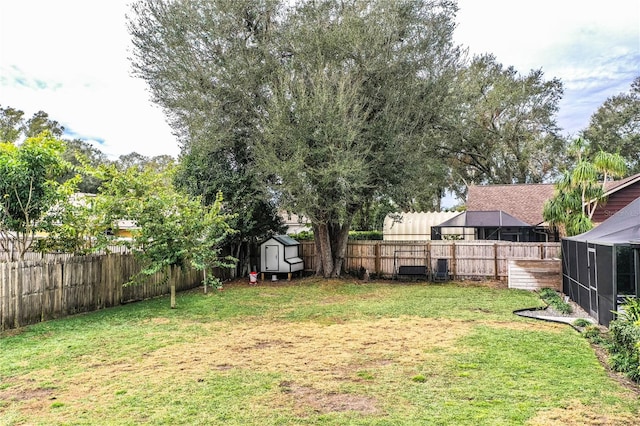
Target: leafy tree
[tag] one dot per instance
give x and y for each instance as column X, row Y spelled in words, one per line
column 28, row 189
column 174, row 229
column 217, row 123
column 371, row 215
column 75, row 225
column 580, row 191
column 41, row 122
column 338, row 102
column 78, row 153
column 81, row 155
column 11, row 122
column 160, row 163
column 504, row 130
column 615, row 126
column 13, row 125
column 205, row 171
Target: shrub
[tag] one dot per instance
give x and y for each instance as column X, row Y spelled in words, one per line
column 625, row 348
column 353, row 235
column 581, row 322
column 551, row 297
column 302, row 236
column 365, row 235
column 630, row 311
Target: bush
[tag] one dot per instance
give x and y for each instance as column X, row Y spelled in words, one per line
column 625, row 348
column 302, row 236
column 630, row 310
column 353, row 235
column 365, row 235
column 552, row 298
column 581, row 322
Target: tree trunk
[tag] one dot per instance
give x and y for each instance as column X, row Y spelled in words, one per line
column 316, row 241
column 340, row 240
column 325, row 256
column 172, row 286
column 331, row 247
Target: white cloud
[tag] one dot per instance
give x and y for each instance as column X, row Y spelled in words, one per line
column 69, row 59
column 592, row 46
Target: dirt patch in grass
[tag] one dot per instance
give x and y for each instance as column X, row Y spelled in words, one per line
column 305, row 397
column 317, row 360
column 317, row 368
column 577, row 414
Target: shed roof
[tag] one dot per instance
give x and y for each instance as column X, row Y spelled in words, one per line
column 484, row 219
column 524, row 202
column 621, row 228
column 285, row 240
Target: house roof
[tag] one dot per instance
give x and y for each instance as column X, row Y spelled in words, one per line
column 524, row 202
column 616, row 185
column 484, row 219
column 623, row 227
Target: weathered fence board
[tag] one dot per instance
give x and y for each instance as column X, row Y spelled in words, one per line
column 466, row 259
column 34, row 291
column 535, row 274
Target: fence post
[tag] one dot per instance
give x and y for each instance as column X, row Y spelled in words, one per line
column 378, row 260
column 495, row 261
column 454, row 263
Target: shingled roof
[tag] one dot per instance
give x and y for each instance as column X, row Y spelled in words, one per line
column 616, row 185
column 524, row 202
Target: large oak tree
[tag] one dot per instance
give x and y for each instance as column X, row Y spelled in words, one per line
column 504, row 130
column 335, row 102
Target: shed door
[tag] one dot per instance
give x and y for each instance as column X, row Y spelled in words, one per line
column 271, row 258
column 593, row 283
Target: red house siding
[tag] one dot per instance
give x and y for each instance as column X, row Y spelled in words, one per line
column 616, row 201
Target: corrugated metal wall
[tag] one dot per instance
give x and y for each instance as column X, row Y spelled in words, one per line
column 415, row 226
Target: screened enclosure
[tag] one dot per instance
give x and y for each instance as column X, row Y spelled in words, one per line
column 600, row 267
column 488, row 225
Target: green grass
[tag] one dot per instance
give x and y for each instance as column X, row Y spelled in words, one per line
column 313, row 352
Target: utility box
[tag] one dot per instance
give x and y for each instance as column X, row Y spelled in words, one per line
column 280, row 254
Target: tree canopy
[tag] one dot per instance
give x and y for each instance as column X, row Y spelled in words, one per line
column 336, row 101
column 504, row 129
column 615, row 126
column 28, row 188
column 172, row 227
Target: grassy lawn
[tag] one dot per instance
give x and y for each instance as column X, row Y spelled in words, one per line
column 312, row 352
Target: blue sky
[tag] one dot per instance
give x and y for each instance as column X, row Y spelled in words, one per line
column 69, row 59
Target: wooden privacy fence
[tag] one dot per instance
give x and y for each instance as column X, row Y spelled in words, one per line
column 466, row 259
column 34, row 291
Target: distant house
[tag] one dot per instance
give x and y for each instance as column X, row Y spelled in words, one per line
column 522, row 202
column 295, row 223
column 619, row 193
column 526, row 201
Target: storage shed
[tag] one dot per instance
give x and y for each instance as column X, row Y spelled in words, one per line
column 600, row 267
column 280, row 254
